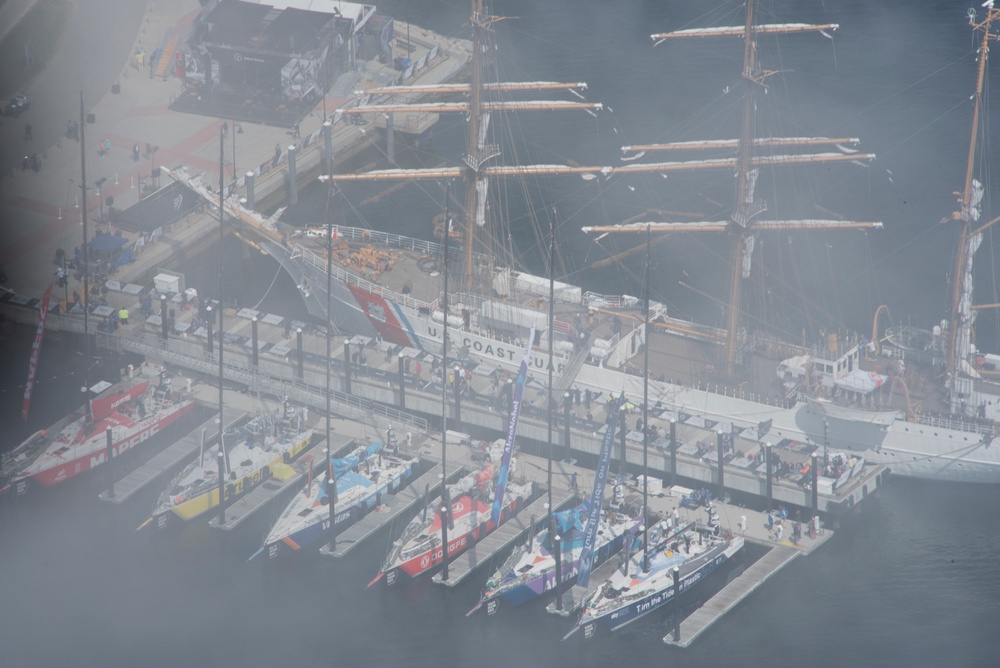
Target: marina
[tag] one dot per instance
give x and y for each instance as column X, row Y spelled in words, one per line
column 165, row 460
column 392, row 507
column 787, row 460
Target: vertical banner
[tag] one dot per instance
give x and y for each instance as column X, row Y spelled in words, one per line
column 508, row 446
column 36, row 350
column 597, row 497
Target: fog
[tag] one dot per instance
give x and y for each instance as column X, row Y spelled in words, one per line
column 913, row 578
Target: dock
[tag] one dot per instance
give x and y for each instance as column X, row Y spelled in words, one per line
column 392, row 507
column 245, row 506
column 166, row 459
column 573, row 597
column 730, row 595
column 502, row 537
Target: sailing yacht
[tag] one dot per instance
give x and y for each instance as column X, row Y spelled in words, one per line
column 362, row 477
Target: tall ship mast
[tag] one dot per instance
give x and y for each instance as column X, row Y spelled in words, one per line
column 961, row 374
column 746, row 156
column 390, row 285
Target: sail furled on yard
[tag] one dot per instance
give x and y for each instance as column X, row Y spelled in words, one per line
column 597, row 497
column 508, row 446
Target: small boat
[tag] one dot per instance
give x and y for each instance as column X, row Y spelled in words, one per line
column 362, row 477
column 246, row 464
column 419, row 549
column 630, row 593
column 530, row 572
column 134, row 410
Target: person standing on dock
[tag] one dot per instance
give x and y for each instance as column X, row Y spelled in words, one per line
column 770, row 521
column 777, row 532
column 743, row 524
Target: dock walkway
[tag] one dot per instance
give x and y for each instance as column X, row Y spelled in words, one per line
column 164, row 460
column 392, row 506
column 257, row 498
column 573, row 597
column 730, row 595
column 501, row 537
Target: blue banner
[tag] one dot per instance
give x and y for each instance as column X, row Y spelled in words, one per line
column 597, row 497
column 508, row 446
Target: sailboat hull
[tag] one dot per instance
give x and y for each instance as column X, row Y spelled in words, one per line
column 93, row 452
column 615, row 619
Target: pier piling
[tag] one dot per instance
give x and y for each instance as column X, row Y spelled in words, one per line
column 111, row 454
column 256, row 341
column 293, row 186
column 163, row 316
column 566, row 426
column 249, row 197
column 720, row 446
column 300, row 368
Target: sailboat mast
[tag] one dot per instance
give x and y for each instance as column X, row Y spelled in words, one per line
column 444, row 356
column 744, row 188
column 222, row 337
column 472, row 159
column 961, row 316
column 645, row 402
column 86, row 264
column 552, row 301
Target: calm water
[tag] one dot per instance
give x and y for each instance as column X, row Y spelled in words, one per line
column 912, row 581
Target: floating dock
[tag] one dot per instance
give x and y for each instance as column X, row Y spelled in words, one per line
column 167, row 458
column 573, row 597
column 463, row 565
column 730, row 595
column 245, row 506
column 392, row 507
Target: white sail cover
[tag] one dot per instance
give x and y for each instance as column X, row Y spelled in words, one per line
column 864, row 382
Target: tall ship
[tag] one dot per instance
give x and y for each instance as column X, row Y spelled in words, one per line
column 135, row 410
column 836, row 394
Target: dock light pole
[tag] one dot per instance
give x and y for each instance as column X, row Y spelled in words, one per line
column 720, row 446
column 444, row 542
column 677, row 604
column 557, row 553
column 567, row 425
column 111, row 454
column 767, row 466
column 673, row 451
column 210, row 343
column 164, row 326
column 301, row 355
column 222, row 479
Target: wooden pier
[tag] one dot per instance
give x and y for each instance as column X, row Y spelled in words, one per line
column 730, row 595
column 392, row 507
column 167, row 458
column 516, row 527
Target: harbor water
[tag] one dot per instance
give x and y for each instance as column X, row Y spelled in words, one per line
column 912, row 579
